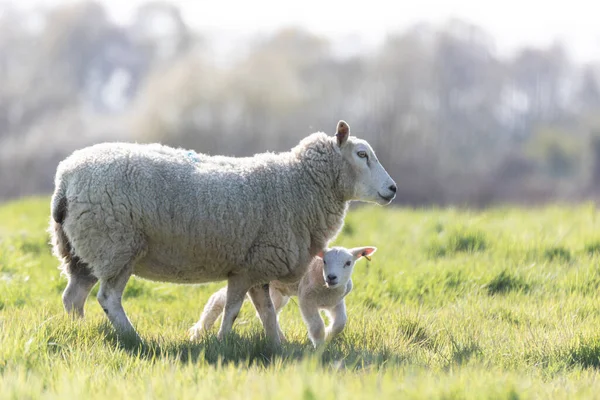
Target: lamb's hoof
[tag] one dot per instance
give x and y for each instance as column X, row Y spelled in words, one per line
column 195, row 333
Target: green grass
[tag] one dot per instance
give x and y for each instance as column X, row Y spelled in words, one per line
column 496, row 304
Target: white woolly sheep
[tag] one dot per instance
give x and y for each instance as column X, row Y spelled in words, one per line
column 324, row 287
column 172, row 215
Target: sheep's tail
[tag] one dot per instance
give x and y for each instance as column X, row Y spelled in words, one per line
column 71, row 264
column 213, row 308
column 61, row 247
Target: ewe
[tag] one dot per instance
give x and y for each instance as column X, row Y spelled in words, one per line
column 120, row 209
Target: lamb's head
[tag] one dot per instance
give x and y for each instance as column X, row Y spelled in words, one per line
column 362, row 175
column 338, row 263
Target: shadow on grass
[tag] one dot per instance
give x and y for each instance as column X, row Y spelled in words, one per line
column 506, row 282
column 458, row 242
column 249, row 350
column 585, row 353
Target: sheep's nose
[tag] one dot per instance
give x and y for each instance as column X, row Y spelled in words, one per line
column 393, row 188
column 331, row 277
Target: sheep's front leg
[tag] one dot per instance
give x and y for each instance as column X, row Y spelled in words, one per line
column 313, row 321
column 264, row 306
column 279, row 301
column 237, row 287
column 338, row 320
column 213, row 308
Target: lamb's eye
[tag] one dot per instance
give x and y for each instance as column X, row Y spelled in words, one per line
column 362, row 154
column 347, row 263
column 324, row 262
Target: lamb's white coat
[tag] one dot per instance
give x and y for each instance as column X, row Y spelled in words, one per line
column 325, row 285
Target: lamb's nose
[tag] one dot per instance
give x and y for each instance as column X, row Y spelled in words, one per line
column 393, row 188
column 331, row 277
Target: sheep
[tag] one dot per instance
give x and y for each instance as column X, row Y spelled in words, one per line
column 173, row 215
column 324, row 286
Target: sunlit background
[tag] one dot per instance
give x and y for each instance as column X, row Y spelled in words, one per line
column 465, row 103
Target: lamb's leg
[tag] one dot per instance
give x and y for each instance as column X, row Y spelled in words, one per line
column 313, row 321
column 109, row 297
column 261, row 299
column 213, row 308
column 338, row 320
column 81, row 282
column 279, row 301
column 237, row 287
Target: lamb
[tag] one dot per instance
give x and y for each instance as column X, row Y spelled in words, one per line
column 172, row 215
column 324, row 287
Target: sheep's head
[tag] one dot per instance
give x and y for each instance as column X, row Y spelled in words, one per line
column 338, row 264
column 363, row 176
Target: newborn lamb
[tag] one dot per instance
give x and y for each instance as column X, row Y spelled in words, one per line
column 324, row 286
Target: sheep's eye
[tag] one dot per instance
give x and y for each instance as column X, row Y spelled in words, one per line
column 324, row 262
column 362, row 154
column 347, row 263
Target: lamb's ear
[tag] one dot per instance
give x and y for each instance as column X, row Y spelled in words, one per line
column 342, row 132
column 321, row 254
column 365, row 252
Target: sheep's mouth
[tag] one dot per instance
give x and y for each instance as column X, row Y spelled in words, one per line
column 332, row 285
column 386, row 198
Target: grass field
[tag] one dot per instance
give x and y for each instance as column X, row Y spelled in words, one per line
column 496, row 304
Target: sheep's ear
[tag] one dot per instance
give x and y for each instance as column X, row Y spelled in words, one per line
column 342, row 132
column 321, row 254
column 365, row 252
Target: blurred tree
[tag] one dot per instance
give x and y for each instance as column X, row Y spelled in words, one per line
column 542, row 75
column 160, row 30
column 452, row 121
column 589, row 90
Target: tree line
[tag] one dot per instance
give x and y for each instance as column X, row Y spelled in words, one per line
column 453, row 122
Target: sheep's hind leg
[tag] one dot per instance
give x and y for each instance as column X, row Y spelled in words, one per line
column 81, row 282
column 213, row 308
column 264, row 306
column 237, row 287
column 109, row 297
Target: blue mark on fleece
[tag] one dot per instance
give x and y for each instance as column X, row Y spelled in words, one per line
column 193, row 156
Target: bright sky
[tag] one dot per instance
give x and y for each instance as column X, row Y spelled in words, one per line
column 512, row 23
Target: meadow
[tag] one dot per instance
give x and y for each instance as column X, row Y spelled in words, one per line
column 499, row 303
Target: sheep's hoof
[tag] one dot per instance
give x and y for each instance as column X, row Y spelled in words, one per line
column 318, row 344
